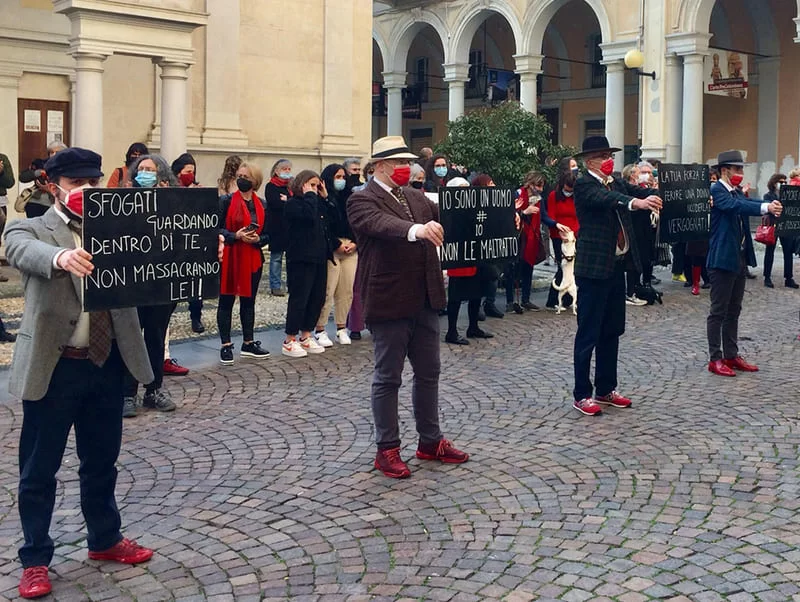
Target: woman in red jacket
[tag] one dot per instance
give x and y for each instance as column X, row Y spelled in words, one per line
column 558, row 213
column 521, row 268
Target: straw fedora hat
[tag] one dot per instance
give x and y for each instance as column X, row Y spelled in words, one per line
column 391, row 147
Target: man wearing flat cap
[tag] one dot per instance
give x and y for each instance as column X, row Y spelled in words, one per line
column 68, row 369
column 605, row 247
column 730, row 251
column 402, row 290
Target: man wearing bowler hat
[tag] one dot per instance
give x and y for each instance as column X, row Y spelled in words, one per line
column 402, row 290
column 606, row 244
column 730, row 251
column 68, row 369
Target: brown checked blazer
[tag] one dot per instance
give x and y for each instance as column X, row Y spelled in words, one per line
column 396, row 278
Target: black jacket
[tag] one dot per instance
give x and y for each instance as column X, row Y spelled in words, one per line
column 276, row 223
column 338, row 224
column 230, row 237
column 600, row 211
column 307, row 224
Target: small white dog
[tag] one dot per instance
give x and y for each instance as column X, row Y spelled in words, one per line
column 568, row 279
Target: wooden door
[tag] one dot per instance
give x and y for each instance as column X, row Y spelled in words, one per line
column 40, row 122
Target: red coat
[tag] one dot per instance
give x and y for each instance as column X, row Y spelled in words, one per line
column 562, row 212
column 531, row 236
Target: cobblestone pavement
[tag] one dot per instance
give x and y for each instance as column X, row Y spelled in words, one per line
column 260, row 486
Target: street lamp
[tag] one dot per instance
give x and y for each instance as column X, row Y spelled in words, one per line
column 634, row 59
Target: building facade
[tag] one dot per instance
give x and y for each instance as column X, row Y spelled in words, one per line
column 260, row 78
column 723, row 73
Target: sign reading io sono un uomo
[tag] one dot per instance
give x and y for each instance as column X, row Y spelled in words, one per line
column 478, row 225
column 150, row 246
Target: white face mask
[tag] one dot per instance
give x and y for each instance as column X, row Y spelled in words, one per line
column 644, row 177
column 567, row 193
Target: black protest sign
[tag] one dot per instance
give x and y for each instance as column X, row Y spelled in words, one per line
column 478, row 225
column 788, row 224
column 685, row 190
column 150, row 246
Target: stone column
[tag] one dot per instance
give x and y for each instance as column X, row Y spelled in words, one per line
column 692, row 138
column 673, row 80
column 9, row 135
column 173, row 109
column 615, row 108
column 528, row 69
column 768, row 89
column 88, row 126
column 337, row 123
column 456, row 75
column 395, row 83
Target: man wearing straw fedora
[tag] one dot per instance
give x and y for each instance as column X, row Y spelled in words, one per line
column 402, row 290
column 606, row 244
column 730, row 251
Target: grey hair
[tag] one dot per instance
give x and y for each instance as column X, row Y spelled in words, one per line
column 163, row 170
column 416, row 169
column 351, row 161
column 645, row 164
column 278, row 164
column 56, row 145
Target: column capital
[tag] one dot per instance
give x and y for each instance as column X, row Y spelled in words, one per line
column 173, row 70
column 693, row 59
column 89, row 61
column 673, row 60
column 9, row 76
column 688, row 43
column 394, row 79
column 617, row 49
column 456, row 72
column 613, row 66
column 528, row 64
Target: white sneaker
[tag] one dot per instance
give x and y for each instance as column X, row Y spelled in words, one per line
column 634, row 300
column 310, row 345
column 342, row 337
column 323, row 339
column 293, row 349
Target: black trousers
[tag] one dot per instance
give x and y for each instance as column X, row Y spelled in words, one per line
column 90, row 398
column 154, row 320
column 787, row 242
column 307, row 284
column 601, row 321
column 522, row 270
column 695, row 261
column 453, row 308
column 418, row 339
column 247, row 311
column 678, row 258
column 196, row 309
column 722, row 325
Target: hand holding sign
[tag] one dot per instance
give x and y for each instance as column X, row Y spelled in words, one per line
column 76, row 261
column 653, row 203
column 775, row 208
column 433, row 232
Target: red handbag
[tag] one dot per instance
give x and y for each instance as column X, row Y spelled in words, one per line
column 765, row 234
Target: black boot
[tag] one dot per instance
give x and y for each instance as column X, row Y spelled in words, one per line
column 492, row 311
column 790, row 283
column 768, row 282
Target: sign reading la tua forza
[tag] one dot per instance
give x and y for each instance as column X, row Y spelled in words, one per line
column 726, row 73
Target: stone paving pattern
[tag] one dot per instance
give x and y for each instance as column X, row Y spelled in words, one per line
column 261, row 485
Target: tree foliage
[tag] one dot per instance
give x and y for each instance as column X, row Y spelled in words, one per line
column 505, row 142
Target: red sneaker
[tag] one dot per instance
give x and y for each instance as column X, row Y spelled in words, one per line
column 721, row 368
column 613, row 399
column 173, row 368
column 738, row 363
column 587, row 406
column 442, row 451
column 389, row 462
column 34, row 583
column 126, row 552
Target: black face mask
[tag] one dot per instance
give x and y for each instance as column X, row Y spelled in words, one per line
column 244, row 184
column 418, row 185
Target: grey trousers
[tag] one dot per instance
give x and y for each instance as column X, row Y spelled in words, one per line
column 727, row 292
column 418, row 339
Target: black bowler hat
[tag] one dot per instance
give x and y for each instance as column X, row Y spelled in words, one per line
column 596, row 144
column 74, row 163
column 730, row 157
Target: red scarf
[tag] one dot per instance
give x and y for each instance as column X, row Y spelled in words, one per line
column 241, row 259
column 531, row 230
column 280, row 183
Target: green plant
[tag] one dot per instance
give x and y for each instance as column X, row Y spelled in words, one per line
column 505, row 142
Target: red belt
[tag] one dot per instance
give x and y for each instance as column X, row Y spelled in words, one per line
column 75, row 353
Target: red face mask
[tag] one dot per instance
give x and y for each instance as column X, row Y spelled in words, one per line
column 401, row 175
column 74, row 200
column 736, row 179
column 607, row 167
column 186, row 179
